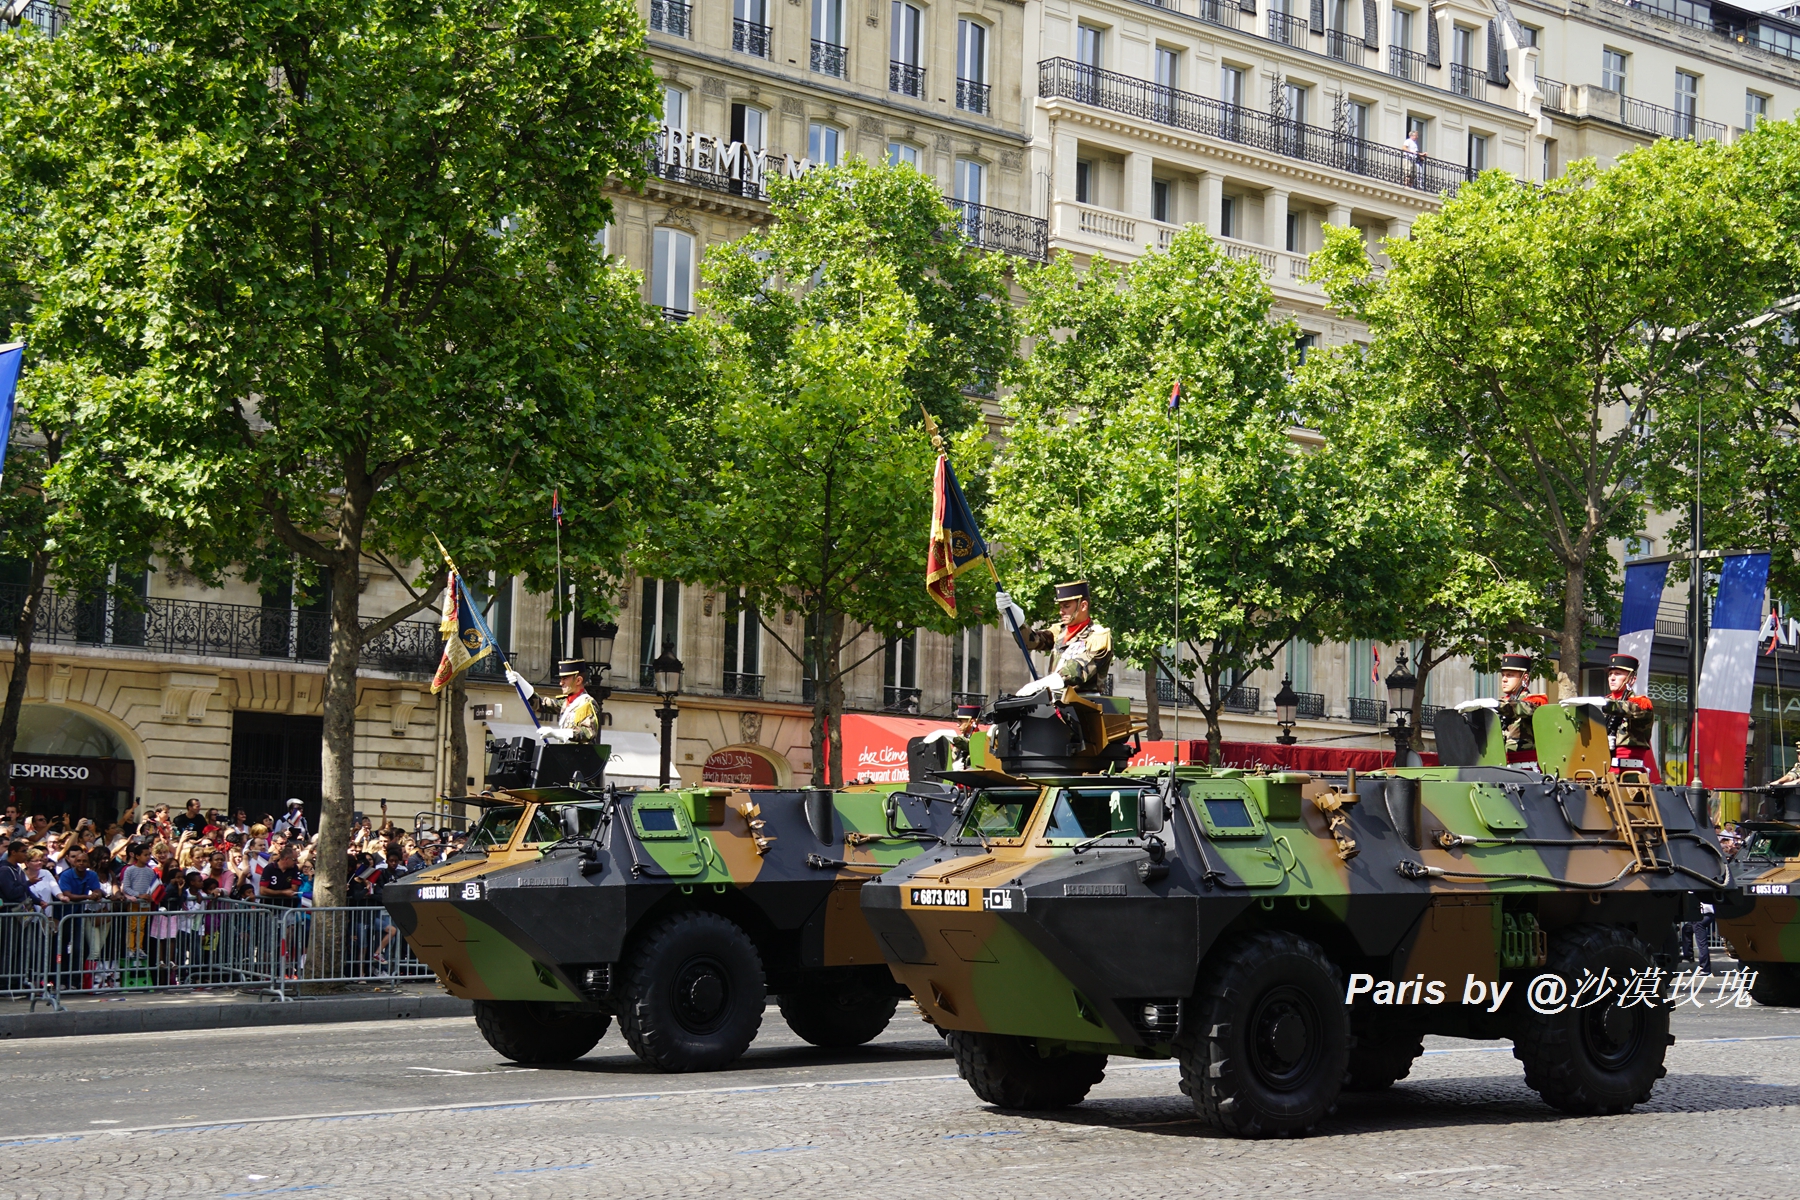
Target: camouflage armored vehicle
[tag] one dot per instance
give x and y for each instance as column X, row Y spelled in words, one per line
column 1762, row 923
column 1283, row 936
column 676, row 911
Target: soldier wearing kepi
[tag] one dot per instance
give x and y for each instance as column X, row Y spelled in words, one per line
column 1629, row 719
column 580, row 715
column 966, row 716
column 1516, row 709
column 1080, row 648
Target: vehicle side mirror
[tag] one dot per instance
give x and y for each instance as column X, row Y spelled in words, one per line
column 1152, row 816
column 571, row 821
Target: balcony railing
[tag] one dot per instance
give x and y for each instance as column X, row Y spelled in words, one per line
column 958, row 699
column 973, row 97
column 206, row 628
column 1069, row 80
column 1428, row 715
column 900, row 699
column 1667, row 122
column 1364, row 711
column 1467, row 81
column 1553, row 91
column 747, row 37
column 1008, row 232
column 1220, row 12
column 1407, row 64
column 1346, row 47
column 49, row 18
column 1310, row 706
column 676, row 316
column 829, row 58
column 736, row 683
column 671, row 17
column 1243, row 699
column 904, row 79
column 1289, row 31
column 712, row 181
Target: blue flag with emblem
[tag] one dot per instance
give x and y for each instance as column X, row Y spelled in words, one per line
column 11, row 357
column 467, row 638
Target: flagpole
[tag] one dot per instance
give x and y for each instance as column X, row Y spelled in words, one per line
column 1175, row 421
column 562, row 618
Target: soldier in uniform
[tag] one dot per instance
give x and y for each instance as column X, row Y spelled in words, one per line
column 1629, row 719
column 966, row 716
column 1080, row 647
column 1514, row 709
column 580, row 715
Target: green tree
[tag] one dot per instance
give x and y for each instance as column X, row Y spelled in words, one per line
column 1531, row 334
column 807, row 474
column 1280, row 539
column 357, row 245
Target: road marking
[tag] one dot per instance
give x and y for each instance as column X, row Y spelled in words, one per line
column 446, row 1071
column 1405, row 1175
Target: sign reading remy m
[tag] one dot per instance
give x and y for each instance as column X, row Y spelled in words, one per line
column 708, row 154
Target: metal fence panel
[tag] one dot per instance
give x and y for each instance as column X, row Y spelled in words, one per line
column 146, row 949
column 26, row 966
column 341, row 945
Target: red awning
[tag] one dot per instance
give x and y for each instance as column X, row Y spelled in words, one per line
column 1299, row 757
column 875, row 747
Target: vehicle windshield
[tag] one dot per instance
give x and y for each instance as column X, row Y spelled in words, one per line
column 1081, row 813
column 1764, row 844
column 546, row 822
column 496, row 826
column 1000, row 813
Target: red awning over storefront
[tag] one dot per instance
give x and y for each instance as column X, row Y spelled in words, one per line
column 1300, row 757
column 875, row 747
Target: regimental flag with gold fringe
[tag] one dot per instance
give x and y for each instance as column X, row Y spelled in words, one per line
column 956, row 544
column 467, row 638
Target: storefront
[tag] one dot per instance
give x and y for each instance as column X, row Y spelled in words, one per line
column 67, row 763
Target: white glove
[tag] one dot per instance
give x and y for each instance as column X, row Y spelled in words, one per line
column 1004, row 603
column 1595, row 701
column 1043, row 683
column 1484, row 702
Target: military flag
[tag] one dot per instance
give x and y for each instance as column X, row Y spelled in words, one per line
column 467, row 638
column 11, row 356
column 956, row 543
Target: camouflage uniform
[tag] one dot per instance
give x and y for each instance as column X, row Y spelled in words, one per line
column 1630, row 721
column 1515, row 727
column 1082, row 655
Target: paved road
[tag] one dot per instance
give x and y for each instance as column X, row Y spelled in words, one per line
column 426, row 1109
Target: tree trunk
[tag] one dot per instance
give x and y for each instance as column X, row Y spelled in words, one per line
column 340, row 732
column 1568, row 666
column 821, row 707
column 1152, row 701
column 1215, row 701
column 1421, row 672
column 15, row 687
column 834, row 635
column 456, row 697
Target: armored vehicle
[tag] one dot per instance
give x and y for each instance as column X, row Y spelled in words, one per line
column 677, row 911
column 1762, row 923
column 1284, row 936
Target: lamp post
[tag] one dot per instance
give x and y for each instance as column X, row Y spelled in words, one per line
column 1401, row 684
column 598, row 652
column 1287, row 706
column 666, row 669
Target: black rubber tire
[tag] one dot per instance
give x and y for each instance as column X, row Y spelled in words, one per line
column 1777, row 984
column 693, row 993
column 1602, row 1059
column 1008, row 1071
column 1273, row 1039
column 531, row 1031
column 838, row 1019
column 1380, row 1057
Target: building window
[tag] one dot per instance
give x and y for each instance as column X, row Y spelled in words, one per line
column 829, row 53
column 743, row 647
column 1687, row 102
column 967, row 679
column 900, row 673
column 1168, row 67
column 822, row 142
column 900, row 152
column 971, row 181
column 971, row 66
column 674, row 108
column 1549, row 159
column 1305, row 344
column 750, row 27
column 495, row 603
column 1295, row 232
column 1478, row 146
column 1293, row 101
column 1612, row 71
column 749, row 126
column 672, row 272
column 1756, row 110
column 1231, row 85
column 659, row 622
column 906, row 75
column 1357, row 120
column 1420, row 128
column 1089, row 45
column 1162, row 200
column 1298, row 666
column 1084, row 181
column 1462, row 46
column 1402, row 33
column 1531, row 34
column 1228, row 222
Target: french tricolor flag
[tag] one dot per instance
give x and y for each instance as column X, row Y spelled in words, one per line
column 1644, row 583
column 1728, row 675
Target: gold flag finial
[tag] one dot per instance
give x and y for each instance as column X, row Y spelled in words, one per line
column 937, row 439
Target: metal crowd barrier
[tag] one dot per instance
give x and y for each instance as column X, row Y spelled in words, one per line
column 330, row 946
column 27, row 965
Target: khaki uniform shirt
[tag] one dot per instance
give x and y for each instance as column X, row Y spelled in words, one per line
column 581, row 715
column 1082, row 657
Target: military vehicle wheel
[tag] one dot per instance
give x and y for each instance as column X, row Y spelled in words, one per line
column 838, row 1019
column 1776, row 984
column 693, row 995
column 530, row 1031
column 1601, row 1059
column 1275, row 1039
column 1381, row 1058
column 1008, row 1071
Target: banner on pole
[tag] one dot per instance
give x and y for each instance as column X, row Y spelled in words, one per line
column 1728, row 674
column 1644, row 583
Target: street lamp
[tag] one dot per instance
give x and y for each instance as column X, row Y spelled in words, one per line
column 1287, row 707
column 598, row 651
column 666, row 670
column 1401, row 684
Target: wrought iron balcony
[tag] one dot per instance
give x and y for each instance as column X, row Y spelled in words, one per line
column 747, row 37
column 1667, row 122
column 957, row 699
column 671, row 17
column 829, row 58
column 974, row 97
column 1467, row 81
column 676, row 316
column 736, row 683
column 712, row 181
column 49, row 18
column 1310, row 706
column 1220, row 12
column 1065, row 79
column 1008, row 232
column 1366, row 711
column 1428, row 715
column 900, row 699
column 1289, row 31
column 210, row 629
column 905, row 79
column 1346, row 47
column 1553, row 91
column 1407, row 64
column 1243, row 699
